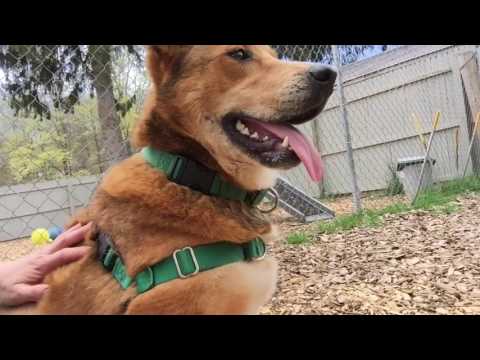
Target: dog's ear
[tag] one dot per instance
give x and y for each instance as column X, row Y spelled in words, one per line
column 165, row 61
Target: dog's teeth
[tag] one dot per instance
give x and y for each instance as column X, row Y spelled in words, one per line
column 240, row 126
column 245, row 131
column 285, row 142
column 254, row 135
column 266, row 138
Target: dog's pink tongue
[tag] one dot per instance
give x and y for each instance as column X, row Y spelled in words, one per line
column 301, row 145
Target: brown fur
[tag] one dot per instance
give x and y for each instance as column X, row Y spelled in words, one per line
column 149, row 217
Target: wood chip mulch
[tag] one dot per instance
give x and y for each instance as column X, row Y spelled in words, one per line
column 417, row 263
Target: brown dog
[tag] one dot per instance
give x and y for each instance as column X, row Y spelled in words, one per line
column 230, row 108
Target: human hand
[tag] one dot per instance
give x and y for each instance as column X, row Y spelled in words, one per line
column 21, row 281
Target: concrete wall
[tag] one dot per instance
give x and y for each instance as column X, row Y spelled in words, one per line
column 26, row 207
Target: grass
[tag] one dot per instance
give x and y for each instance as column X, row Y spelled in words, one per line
column 439, row 198
column 298, row 238
column 447, row 192
column 394, row 186
column 349, row 222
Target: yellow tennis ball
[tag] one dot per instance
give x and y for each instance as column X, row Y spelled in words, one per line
column 40, row 237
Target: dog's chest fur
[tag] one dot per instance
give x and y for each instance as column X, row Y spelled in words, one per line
column 149, row 217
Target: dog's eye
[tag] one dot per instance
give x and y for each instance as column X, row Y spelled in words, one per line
column 240, row 55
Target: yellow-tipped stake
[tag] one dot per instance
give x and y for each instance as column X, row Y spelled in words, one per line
column 419, row 128
column 436, row 122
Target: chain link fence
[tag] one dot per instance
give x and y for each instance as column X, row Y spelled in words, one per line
column 391, row 100
column 65, row 117
column 66, row 114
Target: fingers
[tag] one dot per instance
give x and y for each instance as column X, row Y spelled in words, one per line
column 71, row 237
column 28, row 293
column 50, row 262
column 76, row 226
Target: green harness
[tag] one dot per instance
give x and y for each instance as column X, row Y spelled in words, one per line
column 189, row 261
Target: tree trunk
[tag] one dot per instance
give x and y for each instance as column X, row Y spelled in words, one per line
column 113, row 148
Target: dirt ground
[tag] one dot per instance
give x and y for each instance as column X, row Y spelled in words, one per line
column 417, row 263
column 370, row 201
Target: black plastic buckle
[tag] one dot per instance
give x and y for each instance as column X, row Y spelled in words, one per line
column 103, row 244
column 195, row 176
column 105, row 253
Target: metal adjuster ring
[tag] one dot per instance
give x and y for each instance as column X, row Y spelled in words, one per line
column 275, row 201
column 194, row 259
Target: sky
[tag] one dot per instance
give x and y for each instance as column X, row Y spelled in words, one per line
column 375, row 51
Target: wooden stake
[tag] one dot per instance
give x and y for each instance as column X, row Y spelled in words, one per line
column 429, row 147
column 419, row 128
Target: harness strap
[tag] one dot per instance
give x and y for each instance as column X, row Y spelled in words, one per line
column 187, row 262
column 186, row 172
column 183, row 263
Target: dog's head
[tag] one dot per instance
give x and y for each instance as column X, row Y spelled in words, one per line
column 233, row 108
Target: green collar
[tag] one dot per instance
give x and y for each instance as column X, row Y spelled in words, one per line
column 182, row 264
column 189, row 173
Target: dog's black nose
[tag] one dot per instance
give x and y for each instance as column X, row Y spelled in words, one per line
column 323, row 74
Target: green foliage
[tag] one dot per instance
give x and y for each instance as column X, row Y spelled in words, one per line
column 298, row 238
column 365, row 218
column 27, row 163
column 46, row 150
column 40, row 79
column 130, row 85
column 397, row 208
column 70, row 143
column 441, row 196
column 394, row 185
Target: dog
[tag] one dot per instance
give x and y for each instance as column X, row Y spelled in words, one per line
column 231, row 109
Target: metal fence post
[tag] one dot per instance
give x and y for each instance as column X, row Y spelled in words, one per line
column 316, row 141
column 69, row 190
column 357, row 206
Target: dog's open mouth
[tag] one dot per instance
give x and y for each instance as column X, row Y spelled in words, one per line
column 275, row 145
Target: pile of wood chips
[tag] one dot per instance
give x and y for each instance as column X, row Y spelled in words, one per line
column 417, row 263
